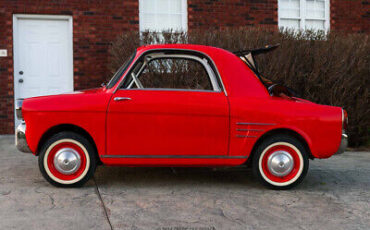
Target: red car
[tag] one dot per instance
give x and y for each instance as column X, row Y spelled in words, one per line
column 181, row 105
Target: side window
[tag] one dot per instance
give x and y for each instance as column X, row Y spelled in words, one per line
column 171, row 73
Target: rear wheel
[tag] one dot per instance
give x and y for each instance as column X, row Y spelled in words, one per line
column 67, row 159
column 280, row 162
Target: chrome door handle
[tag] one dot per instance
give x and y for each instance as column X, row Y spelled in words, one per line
column 122, row 98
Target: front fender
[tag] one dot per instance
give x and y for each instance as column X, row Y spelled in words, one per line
column 85, row 110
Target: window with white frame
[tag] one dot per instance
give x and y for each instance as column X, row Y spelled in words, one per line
column 304, row 14
column 161, row 15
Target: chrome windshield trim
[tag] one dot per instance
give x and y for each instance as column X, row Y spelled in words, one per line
column 132, row 64
column 202, row 61
column 174, row 156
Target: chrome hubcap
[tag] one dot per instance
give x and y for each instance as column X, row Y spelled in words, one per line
column 280, row 163
column 67, row 161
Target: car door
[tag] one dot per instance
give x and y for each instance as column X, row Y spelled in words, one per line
column 169, row 106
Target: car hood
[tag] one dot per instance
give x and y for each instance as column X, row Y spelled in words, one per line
column 84, row 100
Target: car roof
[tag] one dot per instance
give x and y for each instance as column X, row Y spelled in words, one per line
column 202, row 48
column 232, row 69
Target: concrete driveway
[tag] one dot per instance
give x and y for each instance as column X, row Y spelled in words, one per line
column 335, row 195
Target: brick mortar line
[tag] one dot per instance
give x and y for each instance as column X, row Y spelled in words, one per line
column 102, row 202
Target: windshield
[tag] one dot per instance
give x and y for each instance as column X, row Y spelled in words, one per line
column 120, row 71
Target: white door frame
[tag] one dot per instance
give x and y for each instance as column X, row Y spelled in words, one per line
column 16, row 17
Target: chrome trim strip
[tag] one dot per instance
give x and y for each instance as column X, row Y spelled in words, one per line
column 18, row 108
column 344, row 138
column 343, row 144
column 182, row 90
column 251, row 123
column 20, row 138
column 255, row 130
column 19, row 103
column 243, row 136
column 174, row 156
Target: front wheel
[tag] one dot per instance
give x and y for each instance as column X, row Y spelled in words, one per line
column 67, row 159
column 280, row 162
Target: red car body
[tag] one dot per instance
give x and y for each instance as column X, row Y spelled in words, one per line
column 184, row 128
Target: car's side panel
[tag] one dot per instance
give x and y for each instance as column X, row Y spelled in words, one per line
column 168, row 122
column 307, row 119
column 86, row 110
column 251, row 118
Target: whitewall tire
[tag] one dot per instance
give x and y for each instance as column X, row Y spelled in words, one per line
column 280, row 162
column 67, row 159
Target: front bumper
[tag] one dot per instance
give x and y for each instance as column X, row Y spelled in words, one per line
column 20, row 138
column 343, row 144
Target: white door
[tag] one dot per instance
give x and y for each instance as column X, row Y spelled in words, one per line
column 43, row 55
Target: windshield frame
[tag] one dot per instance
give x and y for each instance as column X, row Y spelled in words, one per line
column 117, row 76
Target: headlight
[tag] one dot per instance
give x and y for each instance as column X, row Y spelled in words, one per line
column 18, row 108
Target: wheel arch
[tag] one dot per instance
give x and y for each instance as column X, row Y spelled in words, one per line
column 285, row 131
column 66, row 127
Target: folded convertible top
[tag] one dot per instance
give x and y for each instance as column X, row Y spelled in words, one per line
column 248, row 57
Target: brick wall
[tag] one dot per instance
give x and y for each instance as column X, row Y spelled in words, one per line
column 232, row 13
column 350, row 16
column 95, row 24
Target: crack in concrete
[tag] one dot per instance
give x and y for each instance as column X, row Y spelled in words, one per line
column 5, row 193
column 102, row 202
column 50, row 197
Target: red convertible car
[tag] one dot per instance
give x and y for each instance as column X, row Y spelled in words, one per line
column 181, row 105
